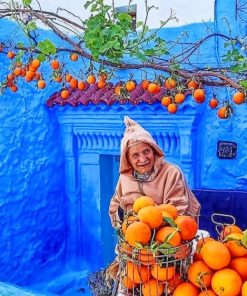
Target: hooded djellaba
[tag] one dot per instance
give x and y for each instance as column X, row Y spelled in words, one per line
column 165, row 183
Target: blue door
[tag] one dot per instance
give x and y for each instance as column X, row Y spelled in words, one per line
column 109, row 165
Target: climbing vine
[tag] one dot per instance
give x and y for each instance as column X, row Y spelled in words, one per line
column 107, row 40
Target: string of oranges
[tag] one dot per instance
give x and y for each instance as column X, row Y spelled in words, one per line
column 175, row 92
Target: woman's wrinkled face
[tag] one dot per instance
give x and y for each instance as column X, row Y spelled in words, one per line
column 141, row 157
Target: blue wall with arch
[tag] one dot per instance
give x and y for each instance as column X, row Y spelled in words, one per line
column 33, row 199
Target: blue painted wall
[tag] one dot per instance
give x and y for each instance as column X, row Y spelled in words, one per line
column 33, row 202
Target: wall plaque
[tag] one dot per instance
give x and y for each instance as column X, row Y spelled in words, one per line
column 226, row 150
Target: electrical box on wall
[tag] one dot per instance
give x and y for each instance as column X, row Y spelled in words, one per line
column 226, row 150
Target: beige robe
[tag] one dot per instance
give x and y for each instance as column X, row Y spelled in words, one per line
column 165, row 185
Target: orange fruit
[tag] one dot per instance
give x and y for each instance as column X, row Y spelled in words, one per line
column 213, row 103
column 101, row 84
column 68, row 77
column 226, row 282
column 23, row 72
column 199, row 274
column 130, row 85
column 127, row 221
column 239, row 264
column 162, row 273
column 172, row 108
column 182, row 252
column 224, row 112
column 215, row 254
column 238, row 98
column 81, row 85
column 157, row 89
column 170, row 83
column 41, row 84
column 30, row 75
column 151, row 216
column 9, row 83
column 128, row 283
column 166, row 101
column 142, row 202
column 193, row 84
column 166, row 215
column 174, row 282
column 117, row 90
column 65, row 94
column 58, row 79
column 35, row 63
column 244, row 289
column 14, row 88
column 17, row 71
column 172, row 210
column 168, row 234
column 74, row 57
column 185, row 289
column 145, row 256
column 73, row 83
column 207, row 292
column 234, row 245
column 32, row 68
column 55, row 64
column 197, row 255
column 91, row 79
column 11, row 77
column 152, row 288
column 179, row 98
column 152, row 87
column 228, row 229
column 11, row 55
column 37, row 76
column 137, row 273
column 187, row 227
column 145, row 84
column 199, row 95
column 138, row 232
column 103, row 76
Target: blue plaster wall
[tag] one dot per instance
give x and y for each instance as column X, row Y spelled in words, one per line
column 33, row 203
column 33, row 218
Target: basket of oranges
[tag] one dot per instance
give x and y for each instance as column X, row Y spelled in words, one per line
column 154, row 248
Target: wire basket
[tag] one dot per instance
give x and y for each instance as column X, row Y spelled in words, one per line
column 220, row 221
column 142, row 270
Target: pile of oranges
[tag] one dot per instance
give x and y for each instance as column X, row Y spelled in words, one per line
column 220, row 266
column 154, row 247
column 156, row 256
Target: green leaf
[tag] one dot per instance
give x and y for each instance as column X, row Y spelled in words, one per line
column 47, row 47
column 139, row 246
column 88, row 3
column 41, row 57
column 31, row 26
column 170, row 222
column 244, row 239
column 26, row 2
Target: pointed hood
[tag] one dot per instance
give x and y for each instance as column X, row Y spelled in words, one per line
column 134, row 134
